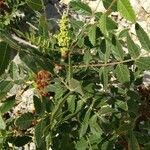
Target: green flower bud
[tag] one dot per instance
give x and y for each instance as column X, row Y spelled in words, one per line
column 63, row 36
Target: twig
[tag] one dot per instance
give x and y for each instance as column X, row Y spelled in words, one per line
column 21, row 41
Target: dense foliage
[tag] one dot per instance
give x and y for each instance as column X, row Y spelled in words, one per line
column 86, row 75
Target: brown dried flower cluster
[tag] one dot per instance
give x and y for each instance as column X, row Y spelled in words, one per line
column 2, row 5
column 43, row 79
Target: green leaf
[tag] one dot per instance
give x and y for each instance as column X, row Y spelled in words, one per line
column 87, row 57
column 107, row 145
column 143, row 37
column 7, row 104
column 125, row 9
column 35, row 4
column 71, row 103
column 102, row 50
column 87, row 115
column 123, row 128
column 14, row 71
column 43, row 26
column 21, row 140
column 121, row 104
column 83, row 129
column 76, row 24
column 122, row 73
column 29, row 60
column 81, row 8
column 48, row 141
column 75, row 85
column 86, row 122
column 32, row 61
column 92, row 34
column 147, row 146
column 110, row 24
column 132, row 142
column 94, row 126
column 143, row 63
column 105, row 50
column 102, row 24
column 133, row 102
column 143, row 138
column 47, row 104
column 80, row 41
column 57, row 88
column 95, row 138
column 123, row 33
column 107, row 4
column 106, row 110
column 117, row 49
column 39, row 131
column 2, row 123
column 24, row 121
column 7, row 37
column 5, row 53
column 80, row 104
column 132, row 47
column 81, row 144
column 104, row 71
column 38, row 105
column 55, row 112
column 5, row 86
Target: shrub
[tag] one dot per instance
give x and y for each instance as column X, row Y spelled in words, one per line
column 86, row 76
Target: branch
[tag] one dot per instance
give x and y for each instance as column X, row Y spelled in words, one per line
column 21, row 41
column 103, row 65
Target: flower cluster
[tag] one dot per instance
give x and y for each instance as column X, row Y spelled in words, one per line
column 2, row 6
column 42, row 80
column 63, row 36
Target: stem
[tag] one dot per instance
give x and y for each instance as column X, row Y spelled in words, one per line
column 69, row 69
column 62, row 81
column 111, row 63
column 89, row 143
column 103, row 65
column 44, row 8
